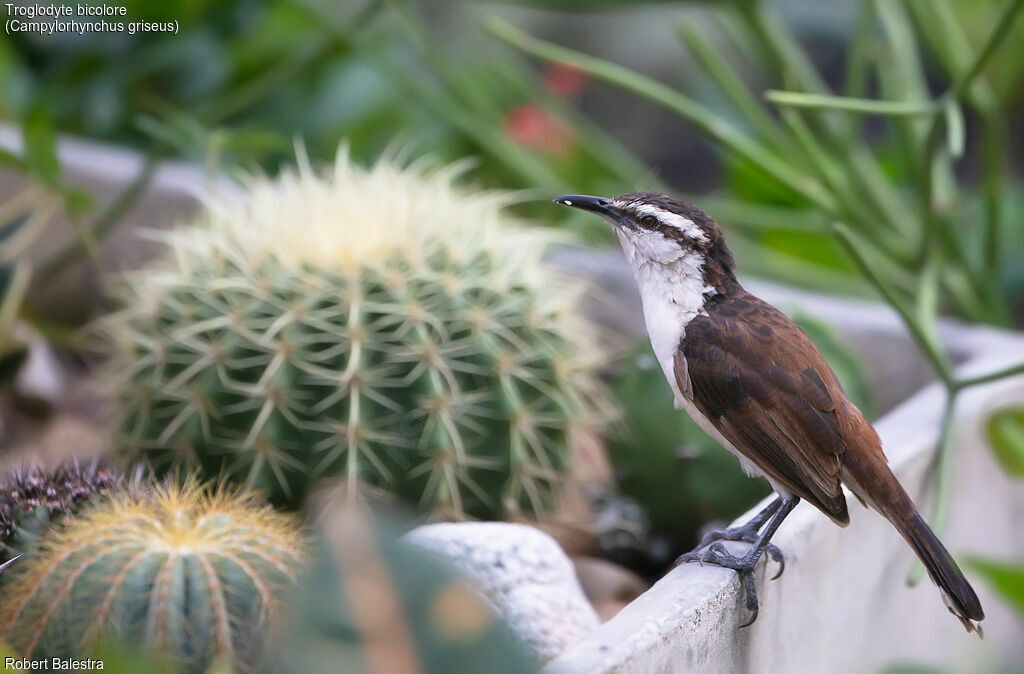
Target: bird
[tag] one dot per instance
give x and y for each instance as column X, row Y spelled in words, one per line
column 754, row 381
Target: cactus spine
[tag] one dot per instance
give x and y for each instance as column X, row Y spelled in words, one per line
column 33, row 499
column 188, row 572
column 380, row 326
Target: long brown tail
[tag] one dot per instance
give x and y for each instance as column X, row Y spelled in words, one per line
column 875, row 483
column 957, row 593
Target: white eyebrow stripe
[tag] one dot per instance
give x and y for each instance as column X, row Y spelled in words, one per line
column 683, row 224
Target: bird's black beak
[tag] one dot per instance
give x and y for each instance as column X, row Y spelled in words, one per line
column 599, row 205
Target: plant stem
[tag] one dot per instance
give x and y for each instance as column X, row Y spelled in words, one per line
column 864, row 106
column 1011, row 371
column 922, row 335
column 732, row 85
column 881, row 201
column 1002, row 29
column 944, row 478
column 959, row 89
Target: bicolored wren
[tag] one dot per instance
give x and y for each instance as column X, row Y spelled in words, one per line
column 755, row 383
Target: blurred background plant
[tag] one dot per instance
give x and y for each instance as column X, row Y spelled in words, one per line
column 373, row 602
column 25, row 218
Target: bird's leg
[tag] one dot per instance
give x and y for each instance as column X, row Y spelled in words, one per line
column 717, row 554
column 747, row 533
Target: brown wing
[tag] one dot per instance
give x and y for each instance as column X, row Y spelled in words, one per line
column 762, row 383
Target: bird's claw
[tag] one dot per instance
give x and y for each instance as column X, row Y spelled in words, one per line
column 712, row 551
column 744, row 534
column 747, row 581
column 776, row 555
column 716, row 554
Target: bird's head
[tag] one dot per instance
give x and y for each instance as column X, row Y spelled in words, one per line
column 659, row 231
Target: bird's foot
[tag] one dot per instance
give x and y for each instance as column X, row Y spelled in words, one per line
column 712, row 551
column 716, row 554
column 745, row 533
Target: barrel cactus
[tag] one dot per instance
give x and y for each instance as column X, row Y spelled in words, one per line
column 32, row 499
column 380, row 327
column 187, row 572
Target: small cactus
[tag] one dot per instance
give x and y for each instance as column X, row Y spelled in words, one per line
column 187, row 572
column 32, row 499
column 380, row 326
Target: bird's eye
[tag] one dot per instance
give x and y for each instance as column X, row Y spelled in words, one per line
column 648, row 221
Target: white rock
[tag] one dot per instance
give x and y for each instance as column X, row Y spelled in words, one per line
column 525, row 575
column 41, row 377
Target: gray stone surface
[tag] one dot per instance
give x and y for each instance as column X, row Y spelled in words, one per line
column 523, row 573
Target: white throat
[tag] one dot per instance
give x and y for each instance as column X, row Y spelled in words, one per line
column 672, row 290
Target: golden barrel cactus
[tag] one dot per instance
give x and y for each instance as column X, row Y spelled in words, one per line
column 383, row 327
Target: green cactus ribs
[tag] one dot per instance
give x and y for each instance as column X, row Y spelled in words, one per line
column 380, row 328
column 184, row 572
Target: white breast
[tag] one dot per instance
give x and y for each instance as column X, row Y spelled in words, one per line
column 672, row 290
column 673, row 294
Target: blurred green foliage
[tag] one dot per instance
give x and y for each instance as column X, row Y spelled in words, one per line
column 23, row 218
column 1005, row 431
column 1006, row 578
column 242, row 78
column 373, row 603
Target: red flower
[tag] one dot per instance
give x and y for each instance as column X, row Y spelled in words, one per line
column 531, row 126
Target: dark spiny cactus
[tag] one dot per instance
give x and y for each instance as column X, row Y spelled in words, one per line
column 32, row 499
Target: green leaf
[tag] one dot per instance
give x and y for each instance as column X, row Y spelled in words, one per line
column 10, row 160
column 954, row 128
column 863, row 106
column 1005, row 578
column 41, row 148
column 1005, row 431
column 14, row 282
column 77, row 200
